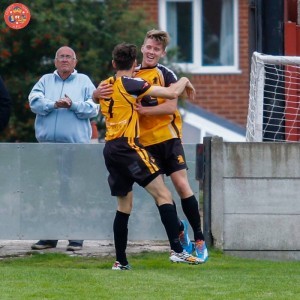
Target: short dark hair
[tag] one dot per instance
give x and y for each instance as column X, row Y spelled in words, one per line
column 124, row 55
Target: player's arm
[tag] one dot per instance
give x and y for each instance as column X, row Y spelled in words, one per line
column 174, row 90
column 167, row 108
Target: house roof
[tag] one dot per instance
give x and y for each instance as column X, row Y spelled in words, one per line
column 205, row 123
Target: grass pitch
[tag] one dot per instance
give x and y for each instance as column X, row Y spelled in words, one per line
column 59, row 276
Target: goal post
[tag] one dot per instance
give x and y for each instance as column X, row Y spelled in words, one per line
column 274, row 99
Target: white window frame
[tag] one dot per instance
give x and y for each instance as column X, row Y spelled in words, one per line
column 196, row 68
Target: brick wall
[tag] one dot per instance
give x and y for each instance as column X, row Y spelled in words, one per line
column 224, row 95
column 150, row 6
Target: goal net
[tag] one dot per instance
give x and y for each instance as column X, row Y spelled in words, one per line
column 274, row 99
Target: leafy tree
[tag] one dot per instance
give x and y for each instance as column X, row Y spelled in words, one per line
column 92, row 28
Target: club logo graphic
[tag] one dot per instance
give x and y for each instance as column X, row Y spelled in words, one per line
column 180, row 159
column 17, row 16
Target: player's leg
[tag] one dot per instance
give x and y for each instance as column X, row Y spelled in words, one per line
column 120, row 228
column 189, row 202
column 169, row 156
column 169, row 218
column 120, row 186
column 190, row 208
column 163, row 199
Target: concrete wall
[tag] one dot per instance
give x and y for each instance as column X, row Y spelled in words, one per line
column 60, row 191
column 255, row 199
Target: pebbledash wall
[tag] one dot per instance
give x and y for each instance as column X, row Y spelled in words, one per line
column 225, row 95
column 255, row 199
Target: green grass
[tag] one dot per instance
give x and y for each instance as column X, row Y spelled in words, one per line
column 59, row 276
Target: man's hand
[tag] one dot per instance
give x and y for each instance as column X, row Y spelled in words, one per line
column 65, row 102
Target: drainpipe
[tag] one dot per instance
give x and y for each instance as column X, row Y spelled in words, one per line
column 207, row 191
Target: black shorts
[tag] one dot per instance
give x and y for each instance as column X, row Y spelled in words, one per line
column 169, row 155
column 127, row 162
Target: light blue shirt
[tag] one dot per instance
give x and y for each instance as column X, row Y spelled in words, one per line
column 63, row 125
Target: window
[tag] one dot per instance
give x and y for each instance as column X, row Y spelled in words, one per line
column 204, row 32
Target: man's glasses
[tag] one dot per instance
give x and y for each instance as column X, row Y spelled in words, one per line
column 65, row 57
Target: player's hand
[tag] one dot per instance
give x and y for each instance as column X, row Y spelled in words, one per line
column 140, row 108
column 190, row 90
column 104, row 90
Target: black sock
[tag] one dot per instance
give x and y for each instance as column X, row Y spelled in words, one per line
column 170, row 220
column 191, row 210
column 181, row 226
column 120, row 228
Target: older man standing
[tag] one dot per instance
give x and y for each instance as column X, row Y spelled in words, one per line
column 62, row 102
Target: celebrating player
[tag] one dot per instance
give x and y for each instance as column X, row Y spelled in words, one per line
column 125, row 158
column 161, row 132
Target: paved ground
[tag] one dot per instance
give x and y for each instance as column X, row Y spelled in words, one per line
column 19, row 248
